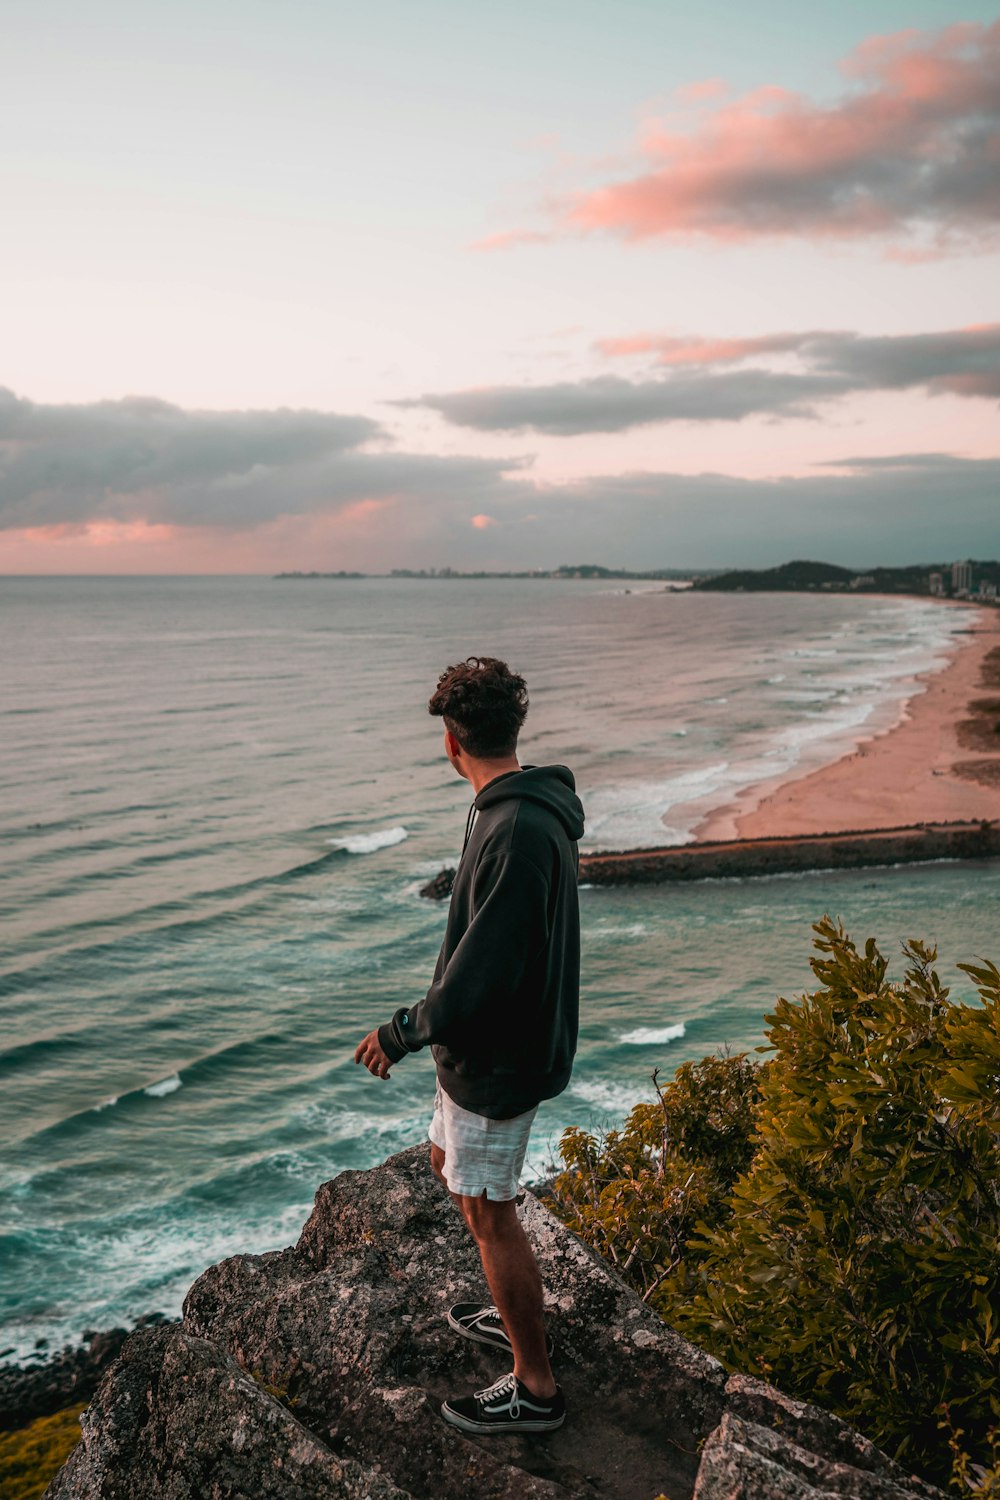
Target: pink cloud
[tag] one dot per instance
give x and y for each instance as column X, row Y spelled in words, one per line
column 699, row 351
column 912, row 151
column 482, row 523
column 359, row 514
column 343, row 539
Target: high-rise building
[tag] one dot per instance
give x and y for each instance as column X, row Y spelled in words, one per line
column 936, row 584
column 961, row 578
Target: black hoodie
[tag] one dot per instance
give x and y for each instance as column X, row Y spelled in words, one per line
column 502, row 1011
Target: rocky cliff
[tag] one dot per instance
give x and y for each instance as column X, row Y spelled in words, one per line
column 318, row 1371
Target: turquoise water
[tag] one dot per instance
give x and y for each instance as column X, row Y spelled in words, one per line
column 219, row 800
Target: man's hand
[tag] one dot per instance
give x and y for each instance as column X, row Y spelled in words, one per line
column 370, row 1053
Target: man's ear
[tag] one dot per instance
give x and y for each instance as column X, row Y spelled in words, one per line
column 452, row 746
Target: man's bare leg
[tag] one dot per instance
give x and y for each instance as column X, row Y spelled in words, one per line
column 513, row 1278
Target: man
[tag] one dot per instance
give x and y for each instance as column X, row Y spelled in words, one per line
column 501, row 1020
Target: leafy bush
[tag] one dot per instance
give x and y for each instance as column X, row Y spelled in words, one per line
column 637, row 1194
column 829, row 1220
column 32, row 1455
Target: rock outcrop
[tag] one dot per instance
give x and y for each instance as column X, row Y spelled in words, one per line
column 319, row 1371
column 439, row 889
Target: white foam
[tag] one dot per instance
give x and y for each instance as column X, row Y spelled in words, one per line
column 293, row 1164
column 339, row 1124
column 105, row 1104
column 367, row 843
column 635, row 929
column 613, row 1098
column 628, row 814
column 830, row 701
column 653, row 1036
column 121, row 1268
column 165, row 1086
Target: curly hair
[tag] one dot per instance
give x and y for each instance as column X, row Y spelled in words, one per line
column 483, row 703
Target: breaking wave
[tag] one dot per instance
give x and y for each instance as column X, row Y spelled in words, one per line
column 367, row 843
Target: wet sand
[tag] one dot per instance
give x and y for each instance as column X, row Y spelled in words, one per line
column 940, row 764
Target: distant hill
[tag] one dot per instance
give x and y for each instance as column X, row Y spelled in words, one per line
column 915, row 578
column 790, row 575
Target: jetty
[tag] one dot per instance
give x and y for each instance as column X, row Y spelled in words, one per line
column 714, row 860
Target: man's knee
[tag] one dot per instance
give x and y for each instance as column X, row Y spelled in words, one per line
column 489, row 1219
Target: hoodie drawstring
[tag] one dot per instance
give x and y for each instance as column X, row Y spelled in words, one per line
column 468, row 826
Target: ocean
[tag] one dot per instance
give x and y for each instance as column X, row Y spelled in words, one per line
column 219, row 798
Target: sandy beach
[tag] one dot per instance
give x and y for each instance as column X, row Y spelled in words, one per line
column 941, row 763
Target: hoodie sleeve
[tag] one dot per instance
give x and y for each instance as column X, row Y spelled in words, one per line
column 508, row 928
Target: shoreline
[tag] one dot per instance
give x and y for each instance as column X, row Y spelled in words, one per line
column 937, row 764
column 52, row 1379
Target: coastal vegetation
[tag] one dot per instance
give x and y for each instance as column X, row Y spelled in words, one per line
column 30, row 1456
column 935, row 579
column 827, row 1218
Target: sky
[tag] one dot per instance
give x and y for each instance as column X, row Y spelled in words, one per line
column 647, row 284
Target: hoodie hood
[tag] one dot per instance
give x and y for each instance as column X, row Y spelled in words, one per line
column 552, row 787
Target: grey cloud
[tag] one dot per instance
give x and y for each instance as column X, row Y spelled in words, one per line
column 909, row 510
column 960, row 362
column 866, row 461
column 607, row 403
column 143, row 457
column 901, row 507
column 963, row 362
column 56, row 459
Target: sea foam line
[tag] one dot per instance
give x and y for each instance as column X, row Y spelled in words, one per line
column 165, row 1086
column 653, row 1036
column 367, row 843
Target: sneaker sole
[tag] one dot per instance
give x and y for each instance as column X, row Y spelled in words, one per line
column 467, row 1425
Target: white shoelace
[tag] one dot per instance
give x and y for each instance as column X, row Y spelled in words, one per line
column 505, row 1386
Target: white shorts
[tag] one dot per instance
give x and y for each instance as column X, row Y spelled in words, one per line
column 480, row 1155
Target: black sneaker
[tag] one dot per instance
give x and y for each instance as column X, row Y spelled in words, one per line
column 506, row 1406
column 483, row 1325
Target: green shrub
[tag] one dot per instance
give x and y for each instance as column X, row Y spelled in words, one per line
column 638, row 1193
column 847, row 1204
column 32, row 1455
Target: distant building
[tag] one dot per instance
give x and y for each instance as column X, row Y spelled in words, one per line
column 863, row 581
column 936, row 583
column 961, row 578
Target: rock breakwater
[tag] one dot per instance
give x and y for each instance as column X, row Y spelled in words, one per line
column 777, row 856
